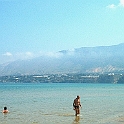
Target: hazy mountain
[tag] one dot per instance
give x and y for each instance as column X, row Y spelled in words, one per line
column 81, row 60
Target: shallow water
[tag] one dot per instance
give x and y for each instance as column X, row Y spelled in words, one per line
column 49, row 103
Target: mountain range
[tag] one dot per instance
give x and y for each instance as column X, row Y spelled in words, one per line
column 100, row 59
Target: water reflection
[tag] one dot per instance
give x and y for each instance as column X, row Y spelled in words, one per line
column 4, row 119
column 5, row 115
column 76, row 120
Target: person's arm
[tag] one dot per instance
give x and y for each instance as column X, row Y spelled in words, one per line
column 74, row 105
column 79, row 103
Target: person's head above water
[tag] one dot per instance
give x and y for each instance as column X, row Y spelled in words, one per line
column 78, row 96
column 5, row 110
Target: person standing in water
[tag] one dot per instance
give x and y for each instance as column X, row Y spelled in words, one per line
column 77, row 105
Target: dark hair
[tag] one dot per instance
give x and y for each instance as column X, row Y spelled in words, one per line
column 5, row 108
column 78, row 96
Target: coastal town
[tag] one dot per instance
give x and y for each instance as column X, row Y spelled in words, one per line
column 65, row 78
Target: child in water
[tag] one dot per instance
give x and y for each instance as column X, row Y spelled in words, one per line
column 5, row 110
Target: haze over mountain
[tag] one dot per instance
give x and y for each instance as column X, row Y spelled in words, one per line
column 99, row 59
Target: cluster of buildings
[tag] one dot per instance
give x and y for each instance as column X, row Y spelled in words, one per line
column 64, row 78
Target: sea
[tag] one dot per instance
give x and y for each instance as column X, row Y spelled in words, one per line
column 51, row 103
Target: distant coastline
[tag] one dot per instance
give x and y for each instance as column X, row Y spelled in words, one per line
column 65, row 78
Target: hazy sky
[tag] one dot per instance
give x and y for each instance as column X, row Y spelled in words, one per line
column 33, row 27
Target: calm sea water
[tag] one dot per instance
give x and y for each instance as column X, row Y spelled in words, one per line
column 49, row 103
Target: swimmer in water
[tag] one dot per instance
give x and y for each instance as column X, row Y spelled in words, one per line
column 5, row 110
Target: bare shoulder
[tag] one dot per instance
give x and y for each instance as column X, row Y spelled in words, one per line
column 5, row 111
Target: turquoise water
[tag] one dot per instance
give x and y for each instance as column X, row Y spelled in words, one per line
column 49, row 103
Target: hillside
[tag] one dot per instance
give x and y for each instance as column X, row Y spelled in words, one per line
column 101, row 59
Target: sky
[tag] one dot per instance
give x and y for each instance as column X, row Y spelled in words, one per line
column 31, row 28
